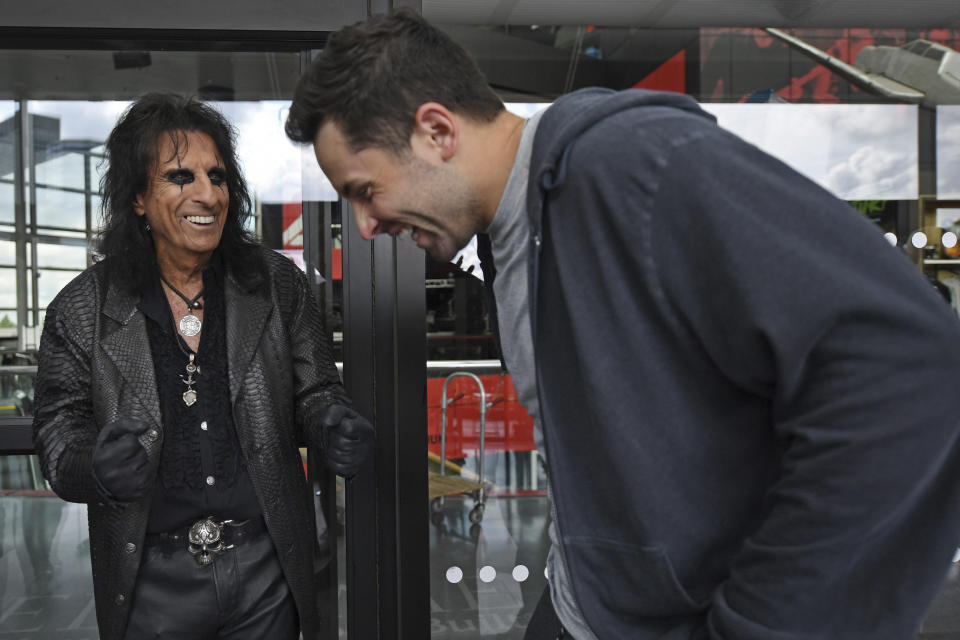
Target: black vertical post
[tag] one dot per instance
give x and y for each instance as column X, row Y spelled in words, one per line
column 360, row 499
column 692, row 67
column 20, row 220
column 413, row 550
column 384, row 347
column 387, row 401
column 385, row 369
column 927, row 150
column 88, row 205
column 322, row 482
column 362, row 510
column 926, row 161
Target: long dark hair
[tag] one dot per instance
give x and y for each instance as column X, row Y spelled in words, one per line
column 372, row 76
column 132, row 148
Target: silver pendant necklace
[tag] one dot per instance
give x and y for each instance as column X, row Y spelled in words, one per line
column 190, row 324
column 190, row 395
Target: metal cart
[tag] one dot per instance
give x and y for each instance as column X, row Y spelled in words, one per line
column 441, row 485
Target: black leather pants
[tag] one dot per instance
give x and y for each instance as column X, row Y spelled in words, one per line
column 242, row 595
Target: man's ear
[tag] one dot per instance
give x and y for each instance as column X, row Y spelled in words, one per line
column 436, row 130
column 138, row 205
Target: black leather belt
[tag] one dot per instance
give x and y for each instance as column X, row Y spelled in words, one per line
column 208, row 537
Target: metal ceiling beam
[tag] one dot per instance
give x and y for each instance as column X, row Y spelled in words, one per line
column 691, row 14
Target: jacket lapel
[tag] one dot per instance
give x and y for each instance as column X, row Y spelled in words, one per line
column 126, row 344
column 247, row 314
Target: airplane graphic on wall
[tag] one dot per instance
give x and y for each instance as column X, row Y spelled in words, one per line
column 920, row 72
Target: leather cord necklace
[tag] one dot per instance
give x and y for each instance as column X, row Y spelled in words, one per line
column 189, row 324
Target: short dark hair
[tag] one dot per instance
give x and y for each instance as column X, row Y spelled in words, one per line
column 131, row 154
column 372, row 77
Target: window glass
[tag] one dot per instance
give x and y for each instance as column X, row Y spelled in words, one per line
column 948, row 151
column 46, row 588
column 7, row 252
column 63, row 256
column 9, row 130
column 858, row 152
column 484, row 577
column 8, row 308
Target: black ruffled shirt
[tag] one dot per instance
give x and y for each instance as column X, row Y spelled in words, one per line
column 202, row 470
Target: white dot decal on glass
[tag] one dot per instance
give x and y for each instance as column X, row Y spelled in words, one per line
column 546, row 573
column 919, row 239
column 454, row 575
column 891, row 238
column 488, row 574
column 520, row 573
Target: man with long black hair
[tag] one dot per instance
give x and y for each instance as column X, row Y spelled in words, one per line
column 745, row 393
column 176, row 379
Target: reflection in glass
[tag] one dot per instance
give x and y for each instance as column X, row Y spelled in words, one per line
column 948, row 151
column 46, row 588
column 482, row 545
column 9, row 130
column 16, row 393
column 858, row 152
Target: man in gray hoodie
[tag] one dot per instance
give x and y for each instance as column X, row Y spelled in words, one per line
column 762, row 381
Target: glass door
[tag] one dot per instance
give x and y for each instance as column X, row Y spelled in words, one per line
column 487, row 488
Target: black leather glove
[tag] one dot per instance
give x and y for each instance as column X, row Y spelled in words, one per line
column 120, row 462
column 346, row 438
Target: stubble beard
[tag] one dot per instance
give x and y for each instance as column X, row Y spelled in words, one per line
column 465, row 217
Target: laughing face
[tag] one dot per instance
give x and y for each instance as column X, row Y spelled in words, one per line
column 186, row 199
column 393, row 193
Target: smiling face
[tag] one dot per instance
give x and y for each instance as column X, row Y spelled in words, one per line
column 186, row 199
column 392, row 193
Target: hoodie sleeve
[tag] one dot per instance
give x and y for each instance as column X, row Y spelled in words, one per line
column 793, row 296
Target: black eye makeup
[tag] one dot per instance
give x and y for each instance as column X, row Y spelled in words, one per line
column 218, row 177
column 179, row 177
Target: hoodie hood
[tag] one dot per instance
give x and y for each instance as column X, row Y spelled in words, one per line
column 571, row 115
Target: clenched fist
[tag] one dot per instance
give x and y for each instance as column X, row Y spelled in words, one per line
column 346, row 439
column 120, row 464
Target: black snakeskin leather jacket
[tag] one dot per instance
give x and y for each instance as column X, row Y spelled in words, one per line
column 95, row 366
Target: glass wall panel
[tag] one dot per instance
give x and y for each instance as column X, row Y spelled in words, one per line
column 9, row 130
column 46, row 588
column 7, row 256
column 62, row 256
column 858, row 152
column 8, row 308
column 6, row 194
column 948, row 151
column 488, row 507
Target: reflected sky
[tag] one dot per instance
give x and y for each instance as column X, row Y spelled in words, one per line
column 7, row 109
column 276, row 169
column 855, row 151
column 858, row 152
column 948, row 151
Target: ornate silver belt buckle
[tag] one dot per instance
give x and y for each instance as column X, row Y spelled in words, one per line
column 205, row 540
